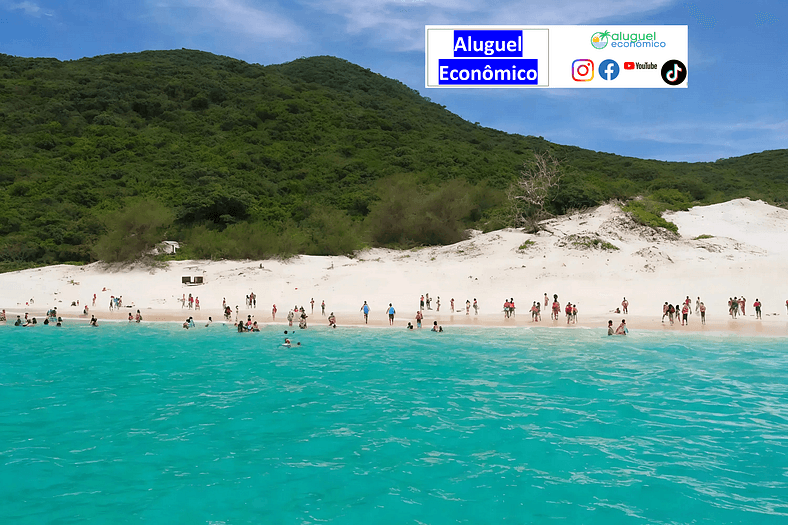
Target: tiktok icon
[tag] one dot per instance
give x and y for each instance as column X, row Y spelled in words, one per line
column 674, row 72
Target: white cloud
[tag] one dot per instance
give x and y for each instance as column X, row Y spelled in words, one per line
column 231, row 19
column 30, row 8
column 403, row 21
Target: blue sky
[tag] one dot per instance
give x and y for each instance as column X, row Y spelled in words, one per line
column 736, row 102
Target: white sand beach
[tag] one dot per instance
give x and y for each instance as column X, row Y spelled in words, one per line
column 744, row 256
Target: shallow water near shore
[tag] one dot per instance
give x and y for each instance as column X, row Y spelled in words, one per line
column 155, row 424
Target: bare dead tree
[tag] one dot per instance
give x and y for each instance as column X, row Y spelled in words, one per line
column 529, row 194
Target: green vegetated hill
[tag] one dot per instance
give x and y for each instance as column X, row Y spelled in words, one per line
column 100, row 157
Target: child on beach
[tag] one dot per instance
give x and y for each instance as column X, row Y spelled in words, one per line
column 419, row 317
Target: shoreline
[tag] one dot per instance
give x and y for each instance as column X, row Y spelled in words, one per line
column 772, row 326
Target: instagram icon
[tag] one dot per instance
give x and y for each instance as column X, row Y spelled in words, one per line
column 583, row 70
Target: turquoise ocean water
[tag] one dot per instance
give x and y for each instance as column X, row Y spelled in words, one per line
column 154, row 424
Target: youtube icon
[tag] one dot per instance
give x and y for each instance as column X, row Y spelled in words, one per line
column 629, row 65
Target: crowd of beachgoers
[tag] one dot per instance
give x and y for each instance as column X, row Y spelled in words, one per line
column 679, row 313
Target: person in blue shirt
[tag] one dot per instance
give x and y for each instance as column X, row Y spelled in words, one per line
column 365, row 309
column 391, row 313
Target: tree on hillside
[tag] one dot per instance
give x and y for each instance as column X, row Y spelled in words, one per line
column 133, row 231
column 529, row 194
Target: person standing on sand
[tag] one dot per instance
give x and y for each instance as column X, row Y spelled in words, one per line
column 94, row 299
column 568, row 312
column 556, row 310
column 428, row 302
column 697, row 306
column 624, row 305
column 702, row 309
column 665, row 308
column 735, row 306
column 196, row 303
column 467, row 307
column 365, row 309
column 688, row 302
column 391, row 313
column 475, row 307
column 323, row 307
column 438, row 304
column 419, row 317
column 273, row 312
column 224, row 303
column 452, row 304
column 545, row 302
column 312, row 302
column 290, row 317
column 421, row 303
column 574, row 313
column 742, row 304
column 684, row 311
column 757, row 306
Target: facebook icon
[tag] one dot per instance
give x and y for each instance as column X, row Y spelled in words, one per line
column 608, row 69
